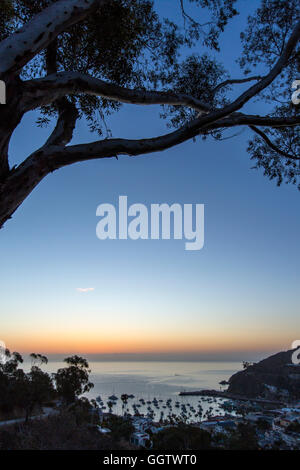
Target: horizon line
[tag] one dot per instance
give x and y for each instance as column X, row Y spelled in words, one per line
column 234, row 356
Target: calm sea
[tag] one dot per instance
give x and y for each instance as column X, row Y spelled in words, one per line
column 160, row 380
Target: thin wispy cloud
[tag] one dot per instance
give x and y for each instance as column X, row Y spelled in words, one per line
column 85, row 289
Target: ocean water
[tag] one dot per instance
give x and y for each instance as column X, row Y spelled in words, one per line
column 160, row 380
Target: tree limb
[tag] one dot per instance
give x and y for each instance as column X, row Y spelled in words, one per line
column 19, row 48
column 53, row 156
column 107, row 148
column 271, row 145
column 270, row 77
column 232, row 81
column 41, row 91
column 44, row 91
column 63, row 132
column 10, row 117
column 240, row 119
column 194, row 22
column 22, row 180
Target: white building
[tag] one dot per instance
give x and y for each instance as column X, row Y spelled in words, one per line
column 141, row 439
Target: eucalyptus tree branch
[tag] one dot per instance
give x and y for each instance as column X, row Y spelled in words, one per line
column 44, row 91
column 22, row 46
column 240, row 119
column 107, row 148
column 20, row 181
column 54, row 154
column 232, row 81
column 63, row 131
column 273, row 73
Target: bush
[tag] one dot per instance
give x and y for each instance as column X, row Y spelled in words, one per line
column 182, row 437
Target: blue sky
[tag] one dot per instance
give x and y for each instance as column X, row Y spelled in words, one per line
column 239, row 294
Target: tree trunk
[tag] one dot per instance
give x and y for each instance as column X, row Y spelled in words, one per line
column 19, row 183
column 10, row 117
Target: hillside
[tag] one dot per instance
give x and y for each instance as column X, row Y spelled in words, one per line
column 273, row 378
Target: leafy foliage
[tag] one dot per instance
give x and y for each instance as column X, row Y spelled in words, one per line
column 73, row 380
column 23, row 390
column 222, row 12
column 127, row 43
column 197, row 76
column 120, row 428
column 182, row 437
column 6, row 18
column 138, row 55
column 29, row 390
column 275, row 167
column 243, row 438
column 58, row 432
column 263, row 42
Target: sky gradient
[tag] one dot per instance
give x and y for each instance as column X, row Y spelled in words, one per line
column 238, row 296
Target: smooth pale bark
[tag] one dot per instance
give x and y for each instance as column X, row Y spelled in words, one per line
column 18, row 49
column 46, row 90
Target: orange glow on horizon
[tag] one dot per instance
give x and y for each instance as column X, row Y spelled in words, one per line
column 153, row 343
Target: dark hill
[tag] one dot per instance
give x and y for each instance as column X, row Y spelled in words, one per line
column 273, row 378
